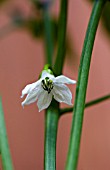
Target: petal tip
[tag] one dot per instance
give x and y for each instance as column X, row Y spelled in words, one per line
column 74, row 81
column 22, row 104
column 21, row 96
column 40, row 110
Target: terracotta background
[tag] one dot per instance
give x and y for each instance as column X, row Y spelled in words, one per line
column 21, row 60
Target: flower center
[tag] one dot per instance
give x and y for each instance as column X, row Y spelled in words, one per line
column 47, row 84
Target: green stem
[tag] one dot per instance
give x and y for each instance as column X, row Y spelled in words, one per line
column 52, row 114
column 61, row 38
column 88, row 104
column 48, row 35
column 79, row 106
column 51, row 125
column 4, row 147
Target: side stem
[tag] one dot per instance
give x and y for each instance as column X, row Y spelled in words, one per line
column 88, row 104
column 48, row 34
column 58, row 66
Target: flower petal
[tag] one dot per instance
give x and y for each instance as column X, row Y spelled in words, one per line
column 44, row 100
column 62, row 93
column 30, row 87
column 29, row 99
column 46, row 74
column 64, row 79
column 32, row 96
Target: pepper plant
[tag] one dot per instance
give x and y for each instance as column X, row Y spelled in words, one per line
column 50, row 89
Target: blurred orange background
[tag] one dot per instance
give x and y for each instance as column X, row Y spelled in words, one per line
column 22, row 59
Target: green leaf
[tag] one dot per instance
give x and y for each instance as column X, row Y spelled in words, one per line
column 4, row 147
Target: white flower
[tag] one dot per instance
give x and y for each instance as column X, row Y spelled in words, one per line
column 46, row 88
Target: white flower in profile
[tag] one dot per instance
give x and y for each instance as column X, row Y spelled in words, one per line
column 46, row 88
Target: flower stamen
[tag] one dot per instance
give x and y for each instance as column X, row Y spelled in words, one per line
column 47, row 84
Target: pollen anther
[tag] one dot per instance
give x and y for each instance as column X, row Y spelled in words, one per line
column 47, row 84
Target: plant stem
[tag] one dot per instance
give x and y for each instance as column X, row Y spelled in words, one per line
column 48, row 34
column 52, row 114
column 79, row 106
column 61, row 38
column 4, row 147
column 88, row 104
column 51, row 125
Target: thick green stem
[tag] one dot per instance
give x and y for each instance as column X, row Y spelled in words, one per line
column 48, row 35
column 52, row 114
column 88, row 104
column 61, row 38
column 79, row 106
column 4, row 147
column 51, row 124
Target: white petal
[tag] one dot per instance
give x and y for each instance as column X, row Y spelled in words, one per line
column 44, row 100
column 32, row 96
column 46, row 74
column 30, row 87
column 62, row 93
column 64, row 79
column 29, row 99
